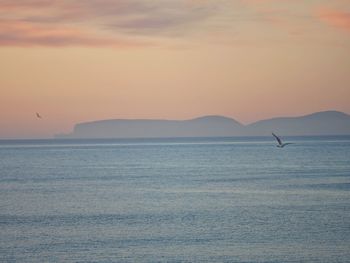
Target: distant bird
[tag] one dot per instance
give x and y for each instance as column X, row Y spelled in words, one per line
column 38, row 116
column 280, row 144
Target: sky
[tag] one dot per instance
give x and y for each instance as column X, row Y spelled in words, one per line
column 82, row 60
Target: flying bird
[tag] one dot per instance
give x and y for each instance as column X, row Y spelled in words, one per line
column 38, row 116
column 280, row 143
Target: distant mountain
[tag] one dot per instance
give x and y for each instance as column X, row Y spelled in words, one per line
column 320, row 123
column 207, row 126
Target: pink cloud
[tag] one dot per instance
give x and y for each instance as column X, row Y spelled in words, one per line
column 97, row 22
column 335, row 18
column 21, row 33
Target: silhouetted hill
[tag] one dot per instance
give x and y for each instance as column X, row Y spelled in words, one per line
column 207, row 126
column 320, row 123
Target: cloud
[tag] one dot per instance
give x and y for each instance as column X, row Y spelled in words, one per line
column 335, row 18
column 18, row 33
column 123, row 23
column 98, row 22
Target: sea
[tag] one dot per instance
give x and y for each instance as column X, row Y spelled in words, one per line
column 239, row 199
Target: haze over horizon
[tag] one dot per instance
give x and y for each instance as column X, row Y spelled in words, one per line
column 75, row 61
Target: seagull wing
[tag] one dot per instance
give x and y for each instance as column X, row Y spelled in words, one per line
column 277, row 138
column 38, row 115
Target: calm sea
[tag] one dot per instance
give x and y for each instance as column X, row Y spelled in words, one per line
column 175, row 200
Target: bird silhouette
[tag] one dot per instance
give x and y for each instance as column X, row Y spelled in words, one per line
column 280, row 143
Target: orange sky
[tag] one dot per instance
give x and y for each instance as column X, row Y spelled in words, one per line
column 76, row 61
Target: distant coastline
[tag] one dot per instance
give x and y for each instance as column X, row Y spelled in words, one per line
column 315, row 124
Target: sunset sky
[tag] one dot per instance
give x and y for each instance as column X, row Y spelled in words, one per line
column 83, row 60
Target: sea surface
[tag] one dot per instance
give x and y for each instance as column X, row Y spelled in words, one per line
column 175, row 200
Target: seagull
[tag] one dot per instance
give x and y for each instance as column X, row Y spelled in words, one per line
column 280, row 144
column 38, row 116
